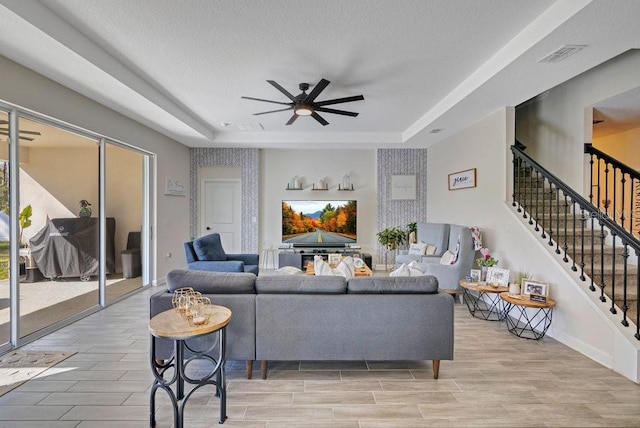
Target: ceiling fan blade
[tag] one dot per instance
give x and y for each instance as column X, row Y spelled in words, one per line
column 292, row 119
column 281, row 89
column 316, row 90
column 334, row 111
column 340, row 100
column 266, row 101
column 22, row 131
column 20, row 137
column 273, row 111
column 319, row 118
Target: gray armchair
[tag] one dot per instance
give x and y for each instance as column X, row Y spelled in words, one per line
column 206, row 253
column 449, row 276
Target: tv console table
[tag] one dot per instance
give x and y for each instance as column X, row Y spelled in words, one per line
column 300, row 258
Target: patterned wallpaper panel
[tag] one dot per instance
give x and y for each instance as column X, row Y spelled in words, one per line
column 247, row 159
column 395, row 213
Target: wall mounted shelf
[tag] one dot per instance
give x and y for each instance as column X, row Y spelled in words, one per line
column 293, row 188
column 348, row 189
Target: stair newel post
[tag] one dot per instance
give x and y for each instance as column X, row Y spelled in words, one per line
column 582, row 222
column 625, row 306
column 558, row 222
column 520, row 171
column 523, row 194
column 550, row 212
column 612, row 309
column 592, row 287
column 591, row 178
column 537, row 198
column 637, row 335
column 514, row 161
column 623, row 181
column 544, row 180
column 602, row 277
column 531, row 196
column 573, row 248
column 631, row 199
column 565, row 247
column 605, row 202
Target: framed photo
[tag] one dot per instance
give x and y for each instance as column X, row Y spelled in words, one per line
column 498, row 276
column 533, row 287
column 462, row 179
column 334, row 259
column 174, row 187
column 403, row 187
column 475, row 275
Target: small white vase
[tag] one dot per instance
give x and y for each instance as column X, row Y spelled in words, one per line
column 514, row 288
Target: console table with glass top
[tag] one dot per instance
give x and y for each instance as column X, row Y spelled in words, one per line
column 483, row 300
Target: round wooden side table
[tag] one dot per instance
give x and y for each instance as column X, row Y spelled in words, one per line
column 532, row 324
column 171, row 325
column 483, row 300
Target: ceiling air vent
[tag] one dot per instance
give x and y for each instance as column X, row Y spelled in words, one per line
column 562, row 53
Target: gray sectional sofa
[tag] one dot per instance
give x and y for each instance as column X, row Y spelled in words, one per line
column 320, row 318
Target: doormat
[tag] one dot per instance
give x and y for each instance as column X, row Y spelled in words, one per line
column 17, row 367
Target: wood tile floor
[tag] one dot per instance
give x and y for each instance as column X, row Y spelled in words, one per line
column 496, row 380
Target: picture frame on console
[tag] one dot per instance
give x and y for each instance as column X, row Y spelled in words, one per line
column 334, row 259
column 530, row 287
column 475, row 275
column 498, row 276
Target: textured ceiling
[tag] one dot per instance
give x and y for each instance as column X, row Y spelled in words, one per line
column 181, row 67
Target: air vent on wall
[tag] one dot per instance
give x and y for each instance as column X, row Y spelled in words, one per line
column 562, row 53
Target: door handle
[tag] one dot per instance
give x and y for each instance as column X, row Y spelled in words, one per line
column 208, row 228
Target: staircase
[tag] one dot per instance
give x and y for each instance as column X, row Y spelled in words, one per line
column 600, row 250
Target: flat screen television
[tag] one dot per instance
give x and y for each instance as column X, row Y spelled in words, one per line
column 315, row 223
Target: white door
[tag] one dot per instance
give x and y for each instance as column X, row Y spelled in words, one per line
column 220, row 208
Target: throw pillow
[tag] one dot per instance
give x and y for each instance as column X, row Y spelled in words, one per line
column 345, row 268
column 415, row 269
column 288, row 270
column 417, row 249
column 447, row 258
column 321, row 268
column 403, row 270
column 431, row 250
column 209, row 248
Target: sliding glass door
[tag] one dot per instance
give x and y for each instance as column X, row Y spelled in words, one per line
column 59, row 230
column 5, row 236
column 76, row 241
column 124, row 198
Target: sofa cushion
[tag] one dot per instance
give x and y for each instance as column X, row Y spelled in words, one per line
column 427, row 284
column 212, row 282
column 209, row 248
column 301, row 284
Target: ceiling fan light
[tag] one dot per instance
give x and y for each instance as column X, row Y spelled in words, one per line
column 303, row 110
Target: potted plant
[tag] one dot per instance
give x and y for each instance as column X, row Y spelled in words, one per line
column 392, row 237
column 24, row 218
column 485, row 262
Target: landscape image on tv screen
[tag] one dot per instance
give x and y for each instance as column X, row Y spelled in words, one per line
column 319, row 222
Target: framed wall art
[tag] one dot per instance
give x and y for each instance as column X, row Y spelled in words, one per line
column 403, row 187
column 462, row 179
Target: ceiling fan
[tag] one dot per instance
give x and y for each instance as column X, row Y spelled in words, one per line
column 305, row 104
column 5, row 131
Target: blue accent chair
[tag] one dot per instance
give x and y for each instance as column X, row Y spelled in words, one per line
column 206, row 253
